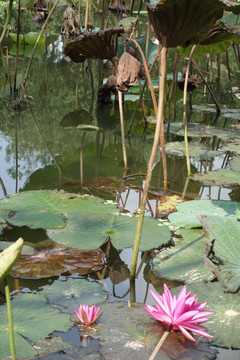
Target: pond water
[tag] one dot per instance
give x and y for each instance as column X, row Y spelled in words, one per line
column 41, row 149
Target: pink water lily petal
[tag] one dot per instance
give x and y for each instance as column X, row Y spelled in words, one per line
column 182, row 312
column 87, row 314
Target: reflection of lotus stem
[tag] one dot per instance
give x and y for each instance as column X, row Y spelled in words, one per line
column 122, row 129
column 10, row 319
column 208, row 87
column 6, row 21
column 159, row 113
column 185, row 110
column 79, row 13
column 37, row 42
column 3, row 187
column 161, row 341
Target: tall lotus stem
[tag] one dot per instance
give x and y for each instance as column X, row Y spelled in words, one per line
column 79, row 13
column 161, row 341
column 86, row 17
column 6, row 21
column 151, row 162
column 185, row 110
column 10, row 319
column 120, row 99
column 17, row 46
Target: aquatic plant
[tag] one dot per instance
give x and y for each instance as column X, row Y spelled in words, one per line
column 179, row 313
column 88, row 314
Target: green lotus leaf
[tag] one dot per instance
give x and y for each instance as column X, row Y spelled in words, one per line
column 33, row 318
column 185, row 261
column 224, row 323
column 202, row 50
column 126, row 23
column 195, row 150
column 9, row 257
column 45, row 209
column 196, row 130
column 235, row 164
column 225, row 232
column 131, row 333
column 233, row 148
column 73, row 292
column 166, row 18
column 220, row 177
column 89, row 231
column 85, row 127
column 187, row 212
column 29, row 38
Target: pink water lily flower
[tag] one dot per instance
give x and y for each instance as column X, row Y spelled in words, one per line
column 182, row 312
column 88, row 314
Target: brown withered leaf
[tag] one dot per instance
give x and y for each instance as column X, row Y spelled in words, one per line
column 58, row 260
column 129, row 70
column 102, row 44
column 193, row 82
column 104, row 92
column 70, row 24
column 118, row 6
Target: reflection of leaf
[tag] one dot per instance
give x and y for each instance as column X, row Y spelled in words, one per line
column 130, row 333
column 88, row 231
column 57, row 261
column 33, row 318
column 186, row 215
column 226, row 233
column 224, row 323
column 186, row 260
column 44, row 209
column 73, row 292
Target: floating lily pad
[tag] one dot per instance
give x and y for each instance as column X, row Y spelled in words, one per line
column 235, row 164
column 186, row 215
column 89, row 231
column 73, row 292
column 220, row 177
column 33, row 318
column 196, row 130
column 235, row 148
column 185, row 261
column 58, row 260
column 131, row 333
column 45, row 209
column 195, row 150
column 226, row 233
column 224, row 323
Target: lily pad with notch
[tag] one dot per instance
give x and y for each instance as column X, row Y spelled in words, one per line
column 33, row 319
column 67, row 295
column 46, row 208
column 89, row 231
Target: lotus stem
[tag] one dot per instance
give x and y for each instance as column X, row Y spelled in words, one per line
column 6, row 21
column 161, row 341
column 37, row 42
column 86, row 17
column 208, row 87
column 185, row 110
column 79, row 14
column 10, row 319
column 17, row 46
column 120, row 98
column 151, row 163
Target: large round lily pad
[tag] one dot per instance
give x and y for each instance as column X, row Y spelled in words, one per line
column 33, row 318
column 89, row 231
column 224, row 323
column 187, row 212
column 46, row 208
column 131, row 333
column 195, row 150
column 220, row 177
column 73, row 292
column 185, row 261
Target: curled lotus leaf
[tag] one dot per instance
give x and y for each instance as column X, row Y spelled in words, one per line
column 129, row 70
column 175, row 22
column 102, row 44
